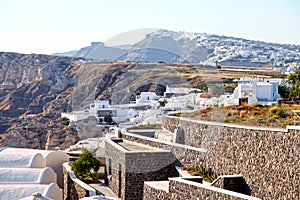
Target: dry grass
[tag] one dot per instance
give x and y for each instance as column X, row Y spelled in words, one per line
column 252, row 115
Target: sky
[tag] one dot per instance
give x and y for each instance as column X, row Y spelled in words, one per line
column 49, row 26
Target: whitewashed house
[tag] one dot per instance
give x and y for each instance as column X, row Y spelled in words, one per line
column 181, row 91
column 146, row 98
column 100, row 109
column 186, row 101
column 257, row 90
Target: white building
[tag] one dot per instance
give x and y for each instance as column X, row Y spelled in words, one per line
column 185, row 101
column 257, row 90
column 100, row 109
column 177, row 91
column 146, row 98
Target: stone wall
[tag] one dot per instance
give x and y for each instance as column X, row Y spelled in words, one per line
column 115, row 164
column 184, row 155
column 136, row 167
column 267, row 158
column 151, row 193
column 179, row 188
column 74, row 189
column 184, row 190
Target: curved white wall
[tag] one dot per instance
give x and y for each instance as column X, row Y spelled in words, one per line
column 53, row 159
column 27, row 175
column 18, row 191
column 33, row 160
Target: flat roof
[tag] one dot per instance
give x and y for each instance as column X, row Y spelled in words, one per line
column 132, row 146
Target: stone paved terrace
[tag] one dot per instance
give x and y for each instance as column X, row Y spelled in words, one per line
column 158, row 185
column 102, row 189
column 135, row 147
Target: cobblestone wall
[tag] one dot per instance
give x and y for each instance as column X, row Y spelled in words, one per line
column 151, row 193
column 115, row 164
column 74, row 189
column 180, row 190
column 268, row 159
column 136, row 167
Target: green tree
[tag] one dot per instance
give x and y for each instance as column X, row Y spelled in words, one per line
column 86, row 166
column 162, row 102
column 284, row 91
column 294, row 80
column 203, row 87
column 108, row 119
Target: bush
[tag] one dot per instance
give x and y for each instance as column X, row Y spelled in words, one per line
column 204, row 171
column 281, row 113
column 86, row 166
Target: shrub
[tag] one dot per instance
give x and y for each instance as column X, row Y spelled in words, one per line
column 86, row 166
column 204, row 171
column 281, row 113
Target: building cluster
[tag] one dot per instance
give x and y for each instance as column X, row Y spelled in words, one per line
column 147, row 107
column 230, row 50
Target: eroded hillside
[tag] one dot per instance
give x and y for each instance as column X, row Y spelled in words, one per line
column 35, row 89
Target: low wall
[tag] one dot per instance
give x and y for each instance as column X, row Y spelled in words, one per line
column 179, row 188
column 151, row 193
column 267, row 158
column 75, row 189
column 186, row 155
column 182, row 189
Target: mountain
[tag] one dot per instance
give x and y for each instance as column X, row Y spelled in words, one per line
column 97, row 50
column 163, row 45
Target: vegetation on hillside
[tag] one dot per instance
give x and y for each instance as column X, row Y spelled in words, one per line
column 278, row 115
column 291, row 91
column 147, row 126
column 294, row 90
column 204, row 171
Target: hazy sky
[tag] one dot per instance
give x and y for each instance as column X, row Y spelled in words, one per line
column 48, row 26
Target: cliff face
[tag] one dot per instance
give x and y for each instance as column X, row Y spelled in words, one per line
column 35, row 89
column 30, row 84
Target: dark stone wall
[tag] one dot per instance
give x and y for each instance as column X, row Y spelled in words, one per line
column 115, row 160
column 136, row 167
column 179, row 190
column 268, row 159
column 73, row 190
column 135, row 181
column 154, row 194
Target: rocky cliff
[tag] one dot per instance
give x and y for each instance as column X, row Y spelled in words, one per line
column 35, row 89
